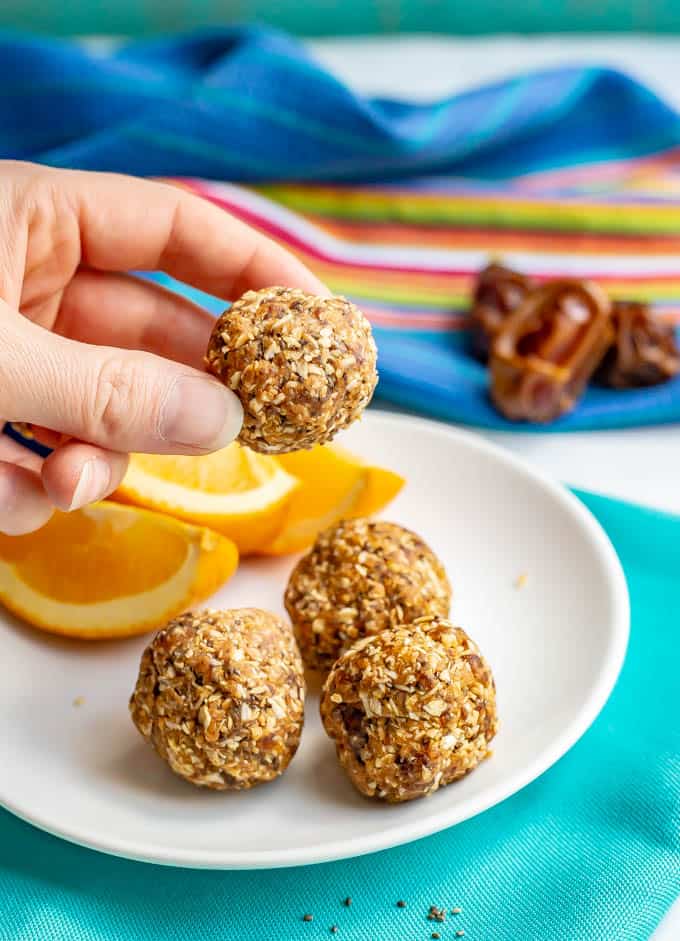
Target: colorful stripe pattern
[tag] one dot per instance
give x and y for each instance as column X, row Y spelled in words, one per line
column 567, row 170
column 408, row 255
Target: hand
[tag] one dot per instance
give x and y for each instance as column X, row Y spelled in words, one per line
column 101, row 362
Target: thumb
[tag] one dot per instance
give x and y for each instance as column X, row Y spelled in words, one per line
column 122, row 400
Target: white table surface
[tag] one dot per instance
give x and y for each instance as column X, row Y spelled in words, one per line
column 638, row 465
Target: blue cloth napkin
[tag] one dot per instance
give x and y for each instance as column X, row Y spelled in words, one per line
column 250, row 104
column 588, row 852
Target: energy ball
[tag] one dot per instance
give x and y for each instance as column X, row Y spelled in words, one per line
column 410, row 710
column 304, row 367
column 220, row 696
column 359, row 578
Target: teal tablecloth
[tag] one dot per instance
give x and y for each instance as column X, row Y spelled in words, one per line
column 589, row 852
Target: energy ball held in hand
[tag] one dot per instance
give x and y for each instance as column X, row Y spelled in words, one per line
column 303, row 367
column 220, row 696
column 410, row 710
column 358, row 578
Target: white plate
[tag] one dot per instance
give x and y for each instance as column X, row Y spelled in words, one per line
column 556, row 646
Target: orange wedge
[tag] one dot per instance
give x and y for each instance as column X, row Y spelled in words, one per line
column 111, row 570
column 336, row 484
column 234, row 491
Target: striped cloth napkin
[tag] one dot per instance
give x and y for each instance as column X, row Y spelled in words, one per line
column 565, row 171
column 407, row 253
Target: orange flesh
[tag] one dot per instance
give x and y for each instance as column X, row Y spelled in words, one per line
column 106, row 557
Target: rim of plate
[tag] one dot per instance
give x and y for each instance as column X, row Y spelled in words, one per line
column 433, row 822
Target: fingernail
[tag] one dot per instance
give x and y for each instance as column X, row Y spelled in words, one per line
column 93, row 483
column 200, row 413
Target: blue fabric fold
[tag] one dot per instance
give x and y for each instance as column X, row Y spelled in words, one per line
column 250, row 104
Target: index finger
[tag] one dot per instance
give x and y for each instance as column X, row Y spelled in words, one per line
column 128, row 223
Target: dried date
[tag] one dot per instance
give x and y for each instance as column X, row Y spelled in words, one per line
column 498, row 292
column 547, row 350
column 644, row 351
